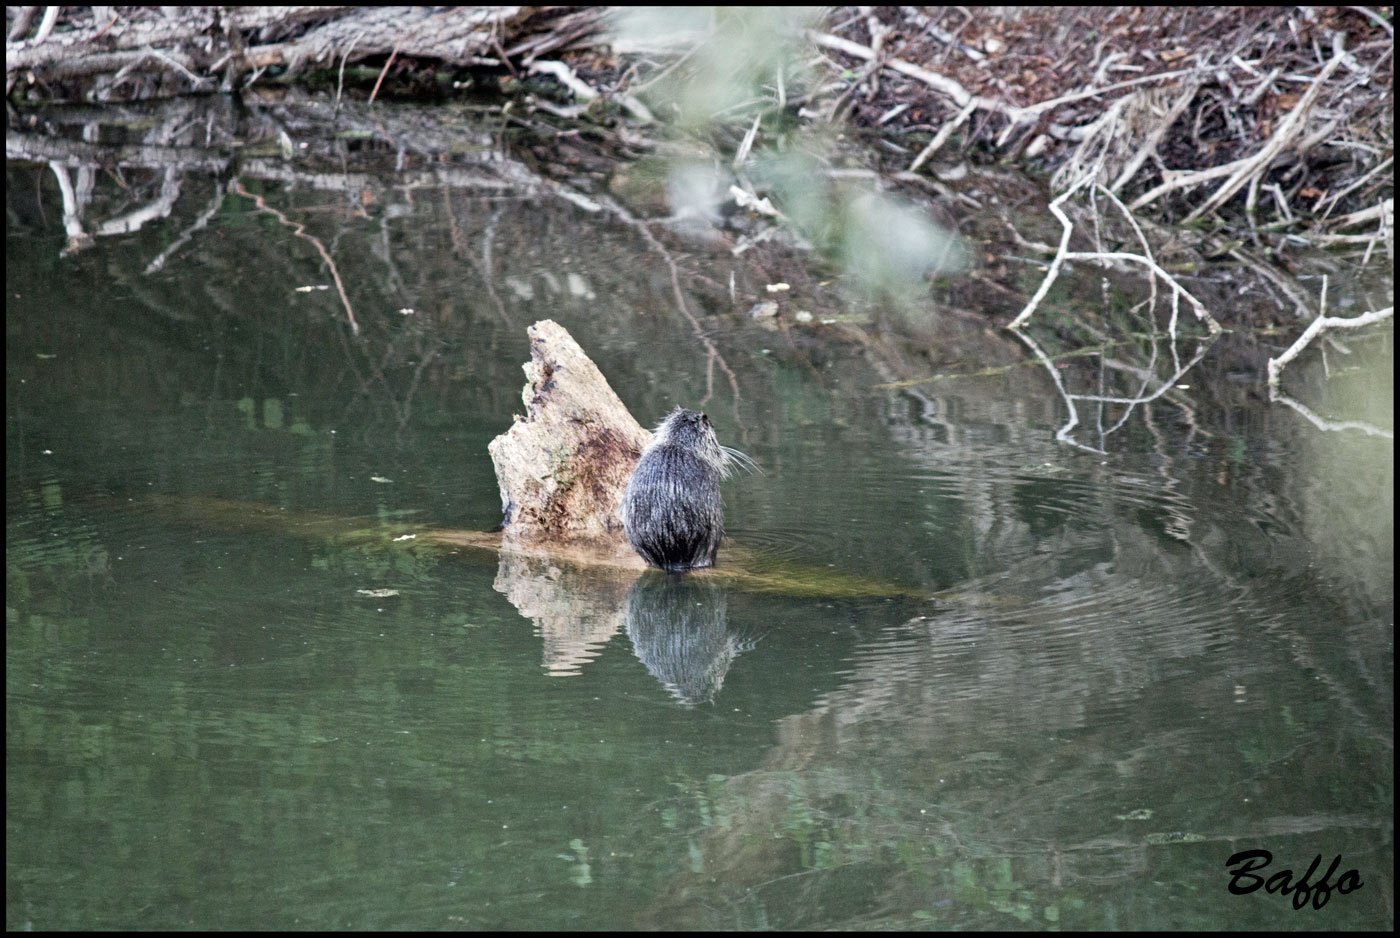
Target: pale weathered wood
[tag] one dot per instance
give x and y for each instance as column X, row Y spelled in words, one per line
column 563, row 467
column 209, row 45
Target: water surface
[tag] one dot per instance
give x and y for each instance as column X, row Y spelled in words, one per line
column 1076, row 684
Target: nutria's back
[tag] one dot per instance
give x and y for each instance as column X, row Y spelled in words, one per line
column 671, row 510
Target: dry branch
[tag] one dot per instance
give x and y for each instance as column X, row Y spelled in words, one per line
column 1255, row 165
column 1318, row 325
column 1063, row 254
column 1232, row 105
column 209, row 45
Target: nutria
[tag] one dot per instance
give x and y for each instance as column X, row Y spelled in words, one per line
column 671, row 510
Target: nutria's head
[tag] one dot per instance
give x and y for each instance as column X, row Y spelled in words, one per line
column 686, row 428
column 692, row 431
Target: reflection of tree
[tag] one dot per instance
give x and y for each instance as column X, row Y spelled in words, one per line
column 992, row 763
column 679, row 630
column 575, row 609
column 345, row 213
column 1081, row 721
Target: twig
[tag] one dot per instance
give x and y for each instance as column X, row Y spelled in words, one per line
column 566, row 77
column 1318, row 325
column 585, row 92
column 1062, row 255
column 399, row 42
column 384, row 71
column 1059, row 259
column 746, row 144
column 1331, row 200
column 960, row 95
column 1242, row 170
column 47, row 24
column 299, row 230
column 340, row 82
column 1379, row 210
column 1148, row 146
column 942, row 136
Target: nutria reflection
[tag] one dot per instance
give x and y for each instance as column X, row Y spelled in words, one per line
column 679, row 630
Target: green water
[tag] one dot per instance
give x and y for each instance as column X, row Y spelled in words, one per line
column 1136, row 663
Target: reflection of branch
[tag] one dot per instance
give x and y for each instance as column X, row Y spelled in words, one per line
column 1142, row 398
column 299, row 230
column 78, row 238
column 184, row 237
column 714, row 356
column 77, row 199
column 1063, row 433
column 1323, row 424
column 1166, row 384
column 1144, row 394
column 486, row 267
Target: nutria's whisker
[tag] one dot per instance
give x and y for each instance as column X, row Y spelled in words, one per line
column 734, row 457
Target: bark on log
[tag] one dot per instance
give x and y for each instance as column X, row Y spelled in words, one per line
column 563, row 467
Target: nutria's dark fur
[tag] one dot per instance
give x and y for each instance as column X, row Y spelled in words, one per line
column 671, row 510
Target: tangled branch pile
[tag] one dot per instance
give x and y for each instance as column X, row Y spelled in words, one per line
column 1181, row 107
column 127, row 53
column 1282, row 114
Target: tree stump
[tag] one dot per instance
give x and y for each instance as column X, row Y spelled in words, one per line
column 564, row 466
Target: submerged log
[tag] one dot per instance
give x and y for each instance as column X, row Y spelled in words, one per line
column 562, row 469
